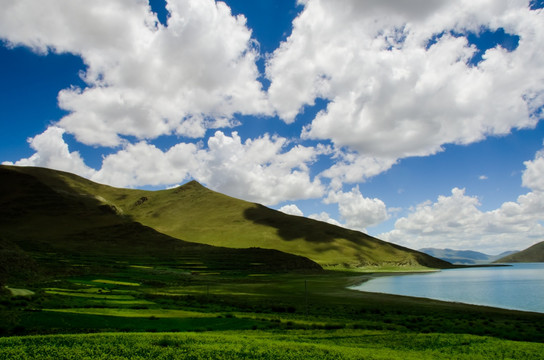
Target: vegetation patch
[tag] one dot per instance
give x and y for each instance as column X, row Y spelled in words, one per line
column 20, row 292
column 116, row 282
column 91, row 296
column 141, row 267
column 332, row 344
column 207, row 273
column 136, row 313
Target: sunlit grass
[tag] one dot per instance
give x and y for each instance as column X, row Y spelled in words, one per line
column 340, row 344
column 142, row 313
column 115, row 282
column 91, row 295
column 20, row 292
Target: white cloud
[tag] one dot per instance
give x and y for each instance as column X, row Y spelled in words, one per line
column 393, row 92
column 144, row 79
column 533, row 176
column 263, row 170
column 357, row 211
column 483, row 177
column 259, row 169
column 323, row 216
column 144, row 164
column 52, row 152
column 457, row 222
column 291, row 209
column 353, row 168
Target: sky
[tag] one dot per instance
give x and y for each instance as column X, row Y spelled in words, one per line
column 416, row 122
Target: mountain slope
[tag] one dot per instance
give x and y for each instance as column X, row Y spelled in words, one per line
column 534, row 253
column 197, row 214
column 194, row 213
column 465, row 257
column 52, row 224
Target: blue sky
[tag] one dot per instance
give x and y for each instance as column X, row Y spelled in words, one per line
column 417, row 123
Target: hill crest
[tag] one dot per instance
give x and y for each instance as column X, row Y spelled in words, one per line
column 534, row 253
column 56, row 223
column 199, row 215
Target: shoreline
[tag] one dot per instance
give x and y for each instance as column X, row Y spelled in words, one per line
column 374, row 275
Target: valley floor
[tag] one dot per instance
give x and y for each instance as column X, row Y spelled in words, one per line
column 159, row 311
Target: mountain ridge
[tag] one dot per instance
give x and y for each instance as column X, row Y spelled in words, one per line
column 50, row 227
column 253, row 224
column 464, row 257
column 196, row 214
column 534, row 253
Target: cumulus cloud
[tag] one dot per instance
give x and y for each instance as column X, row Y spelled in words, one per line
column 52, row 152
column 264, row 170
column 260, row 170
column 144, row 79
column 143, row 164
column 401, row 77
column 351, row 167
column 323, row 216
column 457, row 219
column 533, row 176
column 291, row 209
column 357, row 211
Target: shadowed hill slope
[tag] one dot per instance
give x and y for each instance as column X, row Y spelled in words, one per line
column 194, row 213
column 198, row 214
column 534, row 253
column 51, row 223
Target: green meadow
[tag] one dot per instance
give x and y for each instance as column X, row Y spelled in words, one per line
column 235, row 315
column 314, row 344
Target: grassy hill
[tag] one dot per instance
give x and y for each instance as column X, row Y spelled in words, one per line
column 54, row 223
column 534, row 253
column 198, row 214
column 68, row 208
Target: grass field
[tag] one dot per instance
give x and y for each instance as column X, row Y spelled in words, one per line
column 332, row 344
column 236, row 315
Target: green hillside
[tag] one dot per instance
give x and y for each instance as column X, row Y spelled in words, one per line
column 52, row 224
column 534, row 253
column 190, row 212
column 198, row 214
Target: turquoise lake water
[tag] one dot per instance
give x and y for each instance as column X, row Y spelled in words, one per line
column 519, row 287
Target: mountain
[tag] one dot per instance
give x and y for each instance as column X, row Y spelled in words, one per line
column 58, row 210
column 463, row 257
column 534, row 253
column 504, row 254
column 53, row 223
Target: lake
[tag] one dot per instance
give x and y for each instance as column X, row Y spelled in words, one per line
column 518, row 287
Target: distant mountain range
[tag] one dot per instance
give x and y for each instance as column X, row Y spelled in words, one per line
column 54, row 221
column 534, row 253
column 464, row 257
